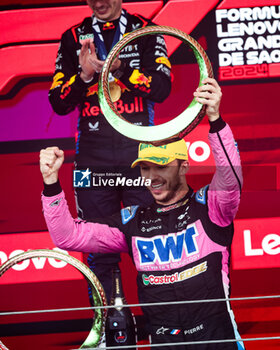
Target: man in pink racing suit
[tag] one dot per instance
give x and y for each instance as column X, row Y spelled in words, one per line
column 180, row 244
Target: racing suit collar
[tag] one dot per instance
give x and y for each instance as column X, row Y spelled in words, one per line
column 162, row 209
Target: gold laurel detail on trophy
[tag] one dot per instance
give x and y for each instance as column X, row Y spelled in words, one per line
column 115, row 91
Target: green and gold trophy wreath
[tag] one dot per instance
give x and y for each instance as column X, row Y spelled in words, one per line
column 98, row 328
column 172, row 130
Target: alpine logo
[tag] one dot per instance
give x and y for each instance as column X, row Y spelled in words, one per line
column 56, row 202
column 128, row 213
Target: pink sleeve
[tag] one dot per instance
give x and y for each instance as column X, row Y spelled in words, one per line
column 77, row 235
column 225, row 188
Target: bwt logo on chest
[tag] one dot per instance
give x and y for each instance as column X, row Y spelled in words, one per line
column 167, row 248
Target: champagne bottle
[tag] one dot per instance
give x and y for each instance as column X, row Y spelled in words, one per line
column 120, row 323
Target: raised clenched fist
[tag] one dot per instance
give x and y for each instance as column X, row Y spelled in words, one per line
column 51, row 159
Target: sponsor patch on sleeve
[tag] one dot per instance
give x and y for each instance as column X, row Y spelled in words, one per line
column 56, row 202
column 128, row 213
column 200, row 195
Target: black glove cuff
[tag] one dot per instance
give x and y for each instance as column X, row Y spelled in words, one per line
column 217, row 125
column 52, row 190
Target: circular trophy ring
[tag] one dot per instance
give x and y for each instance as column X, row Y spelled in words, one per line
column 98, row 328
column 172, row 130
